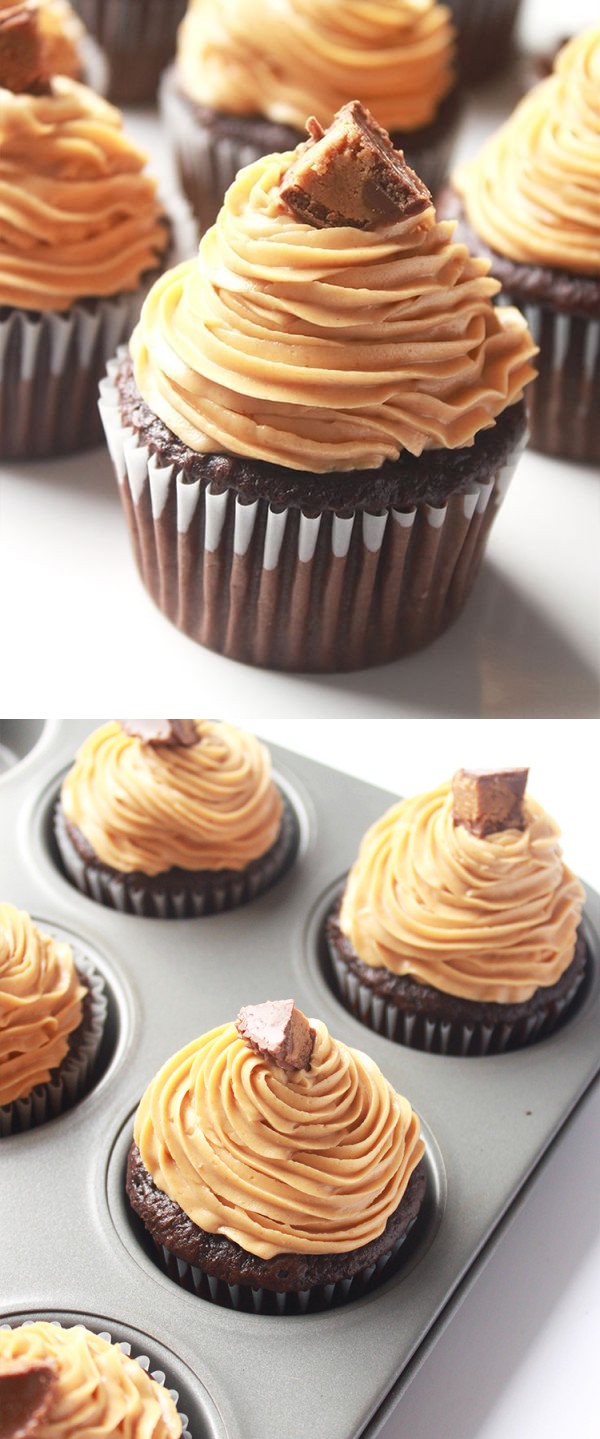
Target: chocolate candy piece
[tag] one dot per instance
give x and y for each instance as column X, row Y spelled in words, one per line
column 22, row 66
column 170, row 733
column 26, row 1391
column 351, row 175
column 488, row 800
column 278, row 1032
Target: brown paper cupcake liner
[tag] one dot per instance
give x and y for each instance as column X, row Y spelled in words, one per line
column 442, row 1036
column 207, row 160
column 485, row 32
column 138, row 38
column 74, row 1076
column 281, row 589
column 564, row 404
column 179, row 895
column 143, row 1360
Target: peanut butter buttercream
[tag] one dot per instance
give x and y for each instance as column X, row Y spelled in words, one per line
column 41, row 1002
column 533, row 192
column 78, row 215
column 486, row 919
column 326, row 350
column 306, row 1162
column 100, row 1391
column 212, row 805
column 286, row 59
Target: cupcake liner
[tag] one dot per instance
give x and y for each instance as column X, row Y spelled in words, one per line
column 285, row 590
column 138, row 38
column 443, row 1036
column 216, row 893
column 142, row 1359
column 564, row 404
column 485, row 31
column 207, row 160
column 74, row 1076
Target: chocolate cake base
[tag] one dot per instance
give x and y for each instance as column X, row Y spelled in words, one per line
column 210, row 146
column 562, row 310
column 73, row 1077
column 138, row 38
column 178, row 893
column 219, row 1269
column 423, row 1017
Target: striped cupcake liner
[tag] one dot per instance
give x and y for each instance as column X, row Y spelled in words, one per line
column 437, row 1036
column 485, row 30
column 218, row 892
column 277, row 588
column 138, row 38
column 76, row 1073
column 564, row 403
column 143, row 1360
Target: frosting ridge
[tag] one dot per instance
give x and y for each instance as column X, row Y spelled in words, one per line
column 489, row 919
column 309, row 1162
column 41, row 1003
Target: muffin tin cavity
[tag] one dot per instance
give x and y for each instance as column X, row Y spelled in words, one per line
column 18, row 738
column 391, row 1269
column 197, row 1411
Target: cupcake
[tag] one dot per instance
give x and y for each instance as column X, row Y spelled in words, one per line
column 81, row 237
column 319, row 414
column 68, row 1383
column 52, row 1016
column 484, row 35
column 246, row 78
column 458, row 930
column 530, row 203
column 138, row 39
column 273, row 1167
column 173, row 818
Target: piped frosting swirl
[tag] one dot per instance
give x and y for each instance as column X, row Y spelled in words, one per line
column 533, row 191
column 489, row 919
column 326, row 350
column 212, row 805
column 100, row 1391
column 309, row 1162
column 41, row 1001
column 286, row 59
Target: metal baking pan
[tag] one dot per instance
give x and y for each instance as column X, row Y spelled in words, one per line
column 68, row 1247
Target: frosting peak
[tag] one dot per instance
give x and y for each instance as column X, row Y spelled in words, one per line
column 533, row 192
column 40, row 1003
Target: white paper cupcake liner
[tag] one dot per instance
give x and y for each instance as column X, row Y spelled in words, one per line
column 442, row 1036
column 75, row 1078
column 143, row 1360
column 280, row 589
column 564, row 402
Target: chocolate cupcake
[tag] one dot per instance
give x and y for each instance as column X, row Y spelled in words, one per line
column 458, row 930
column 282, row 1172
column 530, row 203
column 320, row 414
column 52, row 1017
column 246, row 79
column 138, row 41
column 173, row 818
column 83, row 235
column 484, row 36
column 68, row 1383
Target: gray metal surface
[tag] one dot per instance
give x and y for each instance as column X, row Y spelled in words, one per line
column 67, row 1246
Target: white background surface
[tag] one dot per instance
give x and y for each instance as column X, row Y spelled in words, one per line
column 76, row 619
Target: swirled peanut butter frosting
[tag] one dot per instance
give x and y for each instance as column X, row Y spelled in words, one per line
column 40, row 1003
column 78, row 215
column 533, row 192
column 491, row 918
column 326, row 349
column 211, row 805
column 99, row 1393
column 286, row 59
column 309, row 1162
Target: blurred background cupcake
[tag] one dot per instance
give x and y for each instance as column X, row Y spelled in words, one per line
column 458, row 929
column 530, row 202
column 82, row 234
column 248, row 75
column 138, row 40
column 242, row 1216
column 320, row 414
column 484, row 35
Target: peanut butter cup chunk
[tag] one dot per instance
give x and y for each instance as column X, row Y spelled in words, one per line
column 351, row 175
column 278, row 1032
column 27, row 1387
column 168, row 732
column 486, row 801
column 22, row 63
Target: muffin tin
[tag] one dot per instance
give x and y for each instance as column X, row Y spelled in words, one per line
column 70, row 1249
